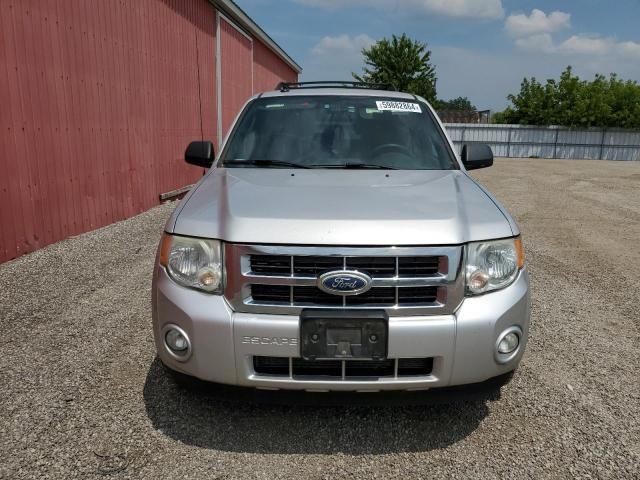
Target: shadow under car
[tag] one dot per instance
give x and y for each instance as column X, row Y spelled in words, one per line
column 237, row 419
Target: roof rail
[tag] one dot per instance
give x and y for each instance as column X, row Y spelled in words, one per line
column 286, row 86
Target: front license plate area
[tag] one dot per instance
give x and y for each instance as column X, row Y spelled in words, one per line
column 343, row 334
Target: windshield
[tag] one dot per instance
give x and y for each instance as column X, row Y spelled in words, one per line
column 338, row 132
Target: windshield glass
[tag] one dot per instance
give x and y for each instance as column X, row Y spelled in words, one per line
column 337, row 132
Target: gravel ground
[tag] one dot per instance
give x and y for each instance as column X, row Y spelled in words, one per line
column 84, row 396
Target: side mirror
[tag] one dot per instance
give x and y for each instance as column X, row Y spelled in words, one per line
column 476, row 156
column 200, row 154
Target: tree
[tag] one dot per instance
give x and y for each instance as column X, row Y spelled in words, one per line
column 460, row 104
column 502, row 117
column 401, row 62
column 570, row 101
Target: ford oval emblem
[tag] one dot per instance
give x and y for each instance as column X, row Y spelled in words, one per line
column 344, row 282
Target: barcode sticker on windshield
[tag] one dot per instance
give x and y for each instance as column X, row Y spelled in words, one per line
column 398, row 106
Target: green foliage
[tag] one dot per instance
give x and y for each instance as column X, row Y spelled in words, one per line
column 401, row 62
column 501, row 117
column 602, row 102
column 460, row 104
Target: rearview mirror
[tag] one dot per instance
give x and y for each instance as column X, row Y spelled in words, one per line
column 476, row 156
column 200, row 154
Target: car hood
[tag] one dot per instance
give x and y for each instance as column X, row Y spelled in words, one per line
column 340, row 207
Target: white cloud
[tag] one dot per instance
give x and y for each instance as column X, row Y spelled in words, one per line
column 541, row 42
column 536, row 23
column 334, row 58
column 342, row 44
column 630, row 49
column 462, row 8
column 491, row 9
column 533, row 33
column 576, row 45
column 580, row 44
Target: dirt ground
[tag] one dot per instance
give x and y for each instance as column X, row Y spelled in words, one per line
column 85, row 397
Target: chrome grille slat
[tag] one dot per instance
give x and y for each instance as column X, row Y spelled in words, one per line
column 405, row 280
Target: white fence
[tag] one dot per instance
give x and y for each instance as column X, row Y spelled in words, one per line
column 549, row 142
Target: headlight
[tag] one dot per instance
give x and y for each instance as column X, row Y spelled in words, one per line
column 492, row 265
column 193, row 262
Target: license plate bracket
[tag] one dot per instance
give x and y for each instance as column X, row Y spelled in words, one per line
column 343, row 334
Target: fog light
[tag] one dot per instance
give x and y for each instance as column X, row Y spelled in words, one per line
column 177, row 342
column 509, row 343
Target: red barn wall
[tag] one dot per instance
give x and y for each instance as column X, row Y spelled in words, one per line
column 98, row 99
column 269, row 70
column 236, row 65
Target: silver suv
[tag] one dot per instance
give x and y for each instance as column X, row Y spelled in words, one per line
column 338, row 243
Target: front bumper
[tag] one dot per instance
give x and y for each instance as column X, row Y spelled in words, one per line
column 224, row 342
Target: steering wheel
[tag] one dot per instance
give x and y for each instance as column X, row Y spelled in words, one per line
column 390, row 147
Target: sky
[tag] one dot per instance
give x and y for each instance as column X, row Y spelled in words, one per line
column 482, row 49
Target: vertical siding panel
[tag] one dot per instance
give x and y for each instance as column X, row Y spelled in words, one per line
column 64, row 145
column 85, row 106
column 77, row 133
column 59, row 120
column 129, row 47
column 93, row 110
column 12, row 232
column 49, row 154
column 236, row 63
column 73, row 131
column 117, row 172
column 29, row 142
column 108, row 120
column 206, row 47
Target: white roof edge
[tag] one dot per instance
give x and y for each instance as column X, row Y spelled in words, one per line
column 235, row 13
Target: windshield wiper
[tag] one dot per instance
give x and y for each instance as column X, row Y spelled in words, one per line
column 265, row 163
column 353, row 166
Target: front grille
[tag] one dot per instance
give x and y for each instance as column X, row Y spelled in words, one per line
column 313, row 265
column 379, row 296
column 284, row 279
column 419, row 266
column 417, row 295
column 271, row 293
column 376, row 267
column 312, row 296
column 408, row 367
column 373, row 266
column 272, row 265
column 299, row 367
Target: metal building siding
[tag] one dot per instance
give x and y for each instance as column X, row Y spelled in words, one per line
column 98, row 100
column 549, row 142
column 236, row 71
column 268, row 69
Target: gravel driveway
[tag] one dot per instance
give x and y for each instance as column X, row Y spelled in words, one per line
column 84, row 396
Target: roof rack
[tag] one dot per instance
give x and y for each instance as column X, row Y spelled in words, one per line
column 286, row 86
